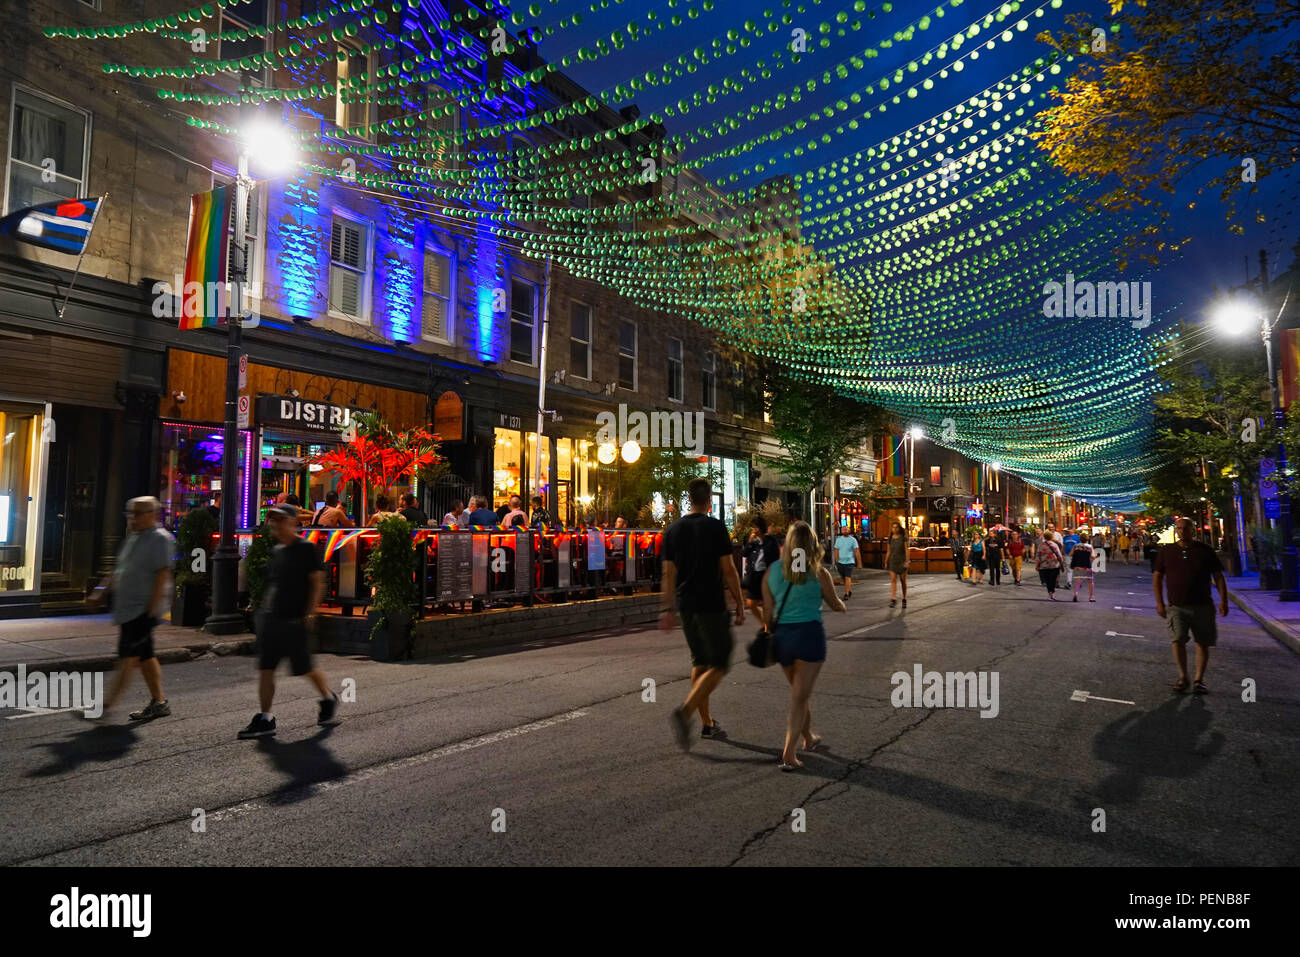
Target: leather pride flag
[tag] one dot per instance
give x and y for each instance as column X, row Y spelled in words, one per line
column 63, row 226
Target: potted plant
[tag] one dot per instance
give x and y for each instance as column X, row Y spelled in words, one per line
column 193, row 582
column 390, row 570
column 253, row 570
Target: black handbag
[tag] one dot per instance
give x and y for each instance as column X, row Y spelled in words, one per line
column 762, row 650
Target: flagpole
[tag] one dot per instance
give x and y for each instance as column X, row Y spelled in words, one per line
column 76, row 272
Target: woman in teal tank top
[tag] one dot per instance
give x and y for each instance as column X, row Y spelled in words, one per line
column 793, row 592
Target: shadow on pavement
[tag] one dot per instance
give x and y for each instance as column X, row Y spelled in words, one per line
column 100, row 743
column 1164, row 743
column 306, row 762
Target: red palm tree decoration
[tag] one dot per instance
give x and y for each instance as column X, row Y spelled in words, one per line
column 380, row 459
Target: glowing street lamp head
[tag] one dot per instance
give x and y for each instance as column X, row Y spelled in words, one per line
column 917, row 432
column 271, row 146
column 1235, row 316
column 997, row 466
column 631, row 451
column 607, row 453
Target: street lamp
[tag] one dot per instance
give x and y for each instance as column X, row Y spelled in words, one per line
column 1236, row 316
column 914, row 433
column 271, row 145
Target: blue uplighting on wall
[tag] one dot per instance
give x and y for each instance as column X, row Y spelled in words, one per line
column 296, row 244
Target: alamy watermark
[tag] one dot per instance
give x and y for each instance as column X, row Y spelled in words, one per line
column 660, row 429
column 1102, row 300
column 55, row 691
column 951, row 689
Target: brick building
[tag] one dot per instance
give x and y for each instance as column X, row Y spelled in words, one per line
column 358, row 299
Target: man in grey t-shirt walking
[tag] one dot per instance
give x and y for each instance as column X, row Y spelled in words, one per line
column 140, row 582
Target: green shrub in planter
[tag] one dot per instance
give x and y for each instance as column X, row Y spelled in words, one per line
column 390, row 570
column 255, row 562
column 196, row 531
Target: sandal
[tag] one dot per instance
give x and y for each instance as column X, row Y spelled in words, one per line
column 1200, row 688
column 1180, row 686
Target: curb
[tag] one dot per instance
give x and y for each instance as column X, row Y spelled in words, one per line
column 165, row 656
column 1274, row 627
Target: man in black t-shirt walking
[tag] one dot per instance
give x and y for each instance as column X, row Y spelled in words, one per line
column 1185, row 568
column 296, row 581
column 696, row 562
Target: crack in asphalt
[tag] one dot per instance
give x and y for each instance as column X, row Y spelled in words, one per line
column 858, row 764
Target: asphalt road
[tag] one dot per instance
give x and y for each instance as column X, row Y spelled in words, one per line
column 555, row 743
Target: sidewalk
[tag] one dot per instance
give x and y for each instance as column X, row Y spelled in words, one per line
column 1280, row 619
column 89, row 643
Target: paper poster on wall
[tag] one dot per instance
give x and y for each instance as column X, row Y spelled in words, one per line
column 595, row 551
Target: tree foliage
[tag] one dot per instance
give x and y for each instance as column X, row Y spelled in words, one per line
column 1187, row 90
column 1213, row 424
column 820, row 430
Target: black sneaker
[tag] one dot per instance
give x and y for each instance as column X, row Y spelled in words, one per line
column 328, row 710
column 712, row 730
column 681, row 728
column 154, row 709
column 259, row 727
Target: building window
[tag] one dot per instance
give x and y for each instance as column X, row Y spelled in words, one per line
column 442, row 121
column 580, row 340
column 627, row 355
column 436, row 321
column 523, row 321
column 349, row 251
column 251, row 14
column 956, row 478
column 936, row 475
column 738, row 390
column 675, row 370
column 709, row 380
column 352, row 107
column 45, row 138
column 93, row 4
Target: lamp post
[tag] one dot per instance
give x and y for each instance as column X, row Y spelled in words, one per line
column 1237, row 316
column 273, row 150
column 914, row 433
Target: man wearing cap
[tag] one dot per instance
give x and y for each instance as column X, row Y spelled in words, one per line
column 140, row 582
column 296, row 582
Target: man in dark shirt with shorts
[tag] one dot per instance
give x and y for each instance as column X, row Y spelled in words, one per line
column 696, row 562
column 296, row 581
column 1185, row 568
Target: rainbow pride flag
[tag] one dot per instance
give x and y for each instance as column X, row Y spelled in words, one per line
column 205, row 259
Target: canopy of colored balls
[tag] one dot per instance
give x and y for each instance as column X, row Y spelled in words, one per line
column 912, row 272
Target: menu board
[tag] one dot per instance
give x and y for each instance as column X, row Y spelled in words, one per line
column 523, row 563
column 596, row 551
column 455, row 564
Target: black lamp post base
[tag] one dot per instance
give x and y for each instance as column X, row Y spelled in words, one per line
column 225, row 625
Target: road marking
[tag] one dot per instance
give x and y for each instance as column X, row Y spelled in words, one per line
column 1126, row 608
column 1085, row 696
column 863, row 631
column 401, row 764
column 1120, row 634
column 38, row 712
column 967, row 598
